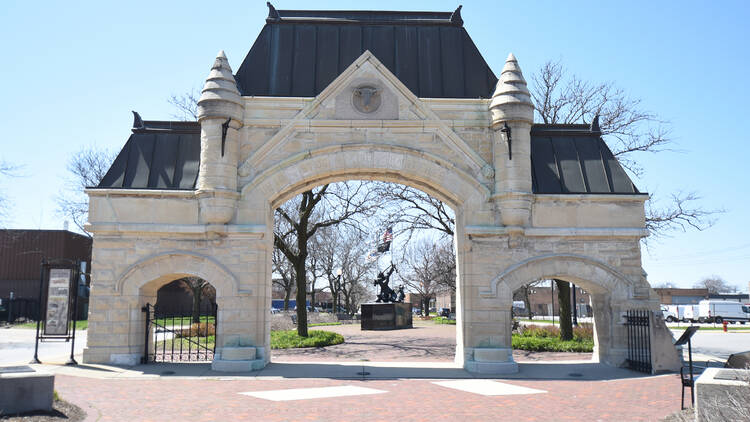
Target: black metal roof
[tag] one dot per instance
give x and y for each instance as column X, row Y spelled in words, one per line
column 300, row 52
column 565, row 159
column 571, row 159
column 158, row 155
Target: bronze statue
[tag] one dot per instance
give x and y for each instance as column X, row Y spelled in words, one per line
column 386, row 293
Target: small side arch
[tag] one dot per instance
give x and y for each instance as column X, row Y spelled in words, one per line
column 172, row 265
column 595, row 275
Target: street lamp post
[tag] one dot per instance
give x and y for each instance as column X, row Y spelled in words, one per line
column 338, row 290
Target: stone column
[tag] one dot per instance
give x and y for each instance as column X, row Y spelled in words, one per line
column 512, row 115
column 220, row 113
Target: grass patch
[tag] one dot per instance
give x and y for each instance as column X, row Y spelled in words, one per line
column 548, row 321
column 323, row 324
column 80, row 325
column 719, row 328
column 443, row 320
column 288, row 339
column 186, row 321
column 546, row 338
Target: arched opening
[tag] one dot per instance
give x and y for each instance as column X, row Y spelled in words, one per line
column 180, row 325
column 358, row 229
column 541, row 277
column 552, row 320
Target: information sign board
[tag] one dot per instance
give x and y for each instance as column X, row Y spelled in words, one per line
column 58, row 299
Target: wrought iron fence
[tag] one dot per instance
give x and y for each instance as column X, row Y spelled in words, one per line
column 176, row 337
column 638, row 323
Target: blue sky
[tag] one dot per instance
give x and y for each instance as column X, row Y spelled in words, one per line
column 72, row 72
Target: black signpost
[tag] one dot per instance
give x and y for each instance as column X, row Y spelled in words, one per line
column 687, row 379
column 58, row 303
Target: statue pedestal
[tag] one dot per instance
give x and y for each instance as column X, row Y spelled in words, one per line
column 386, row 316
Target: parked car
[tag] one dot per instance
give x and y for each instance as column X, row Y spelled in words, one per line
column 444, row 312
column 689, row 313
column 719, row 311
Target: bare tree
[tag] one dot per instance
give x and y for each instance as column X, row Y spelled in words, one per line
column 7, row 170
column 87, row 167
column 414, row 210
column 560, row 98
column 715, row 284
column 325, row 206
column 199, row 288
column 285, row 280
column 524, row 293
column 418, row 272
column 186, row 105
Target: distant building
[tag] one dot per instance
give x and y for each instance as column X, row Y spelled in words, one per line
column 21, row 254
column 675, row 296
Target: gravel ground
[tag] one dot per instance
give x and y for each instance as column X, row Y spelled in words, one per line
column 61, row 411
column 427, row 341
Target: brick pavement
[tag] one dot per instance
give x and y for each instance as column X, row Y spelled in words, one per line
column 216, row 398
column 168, row 399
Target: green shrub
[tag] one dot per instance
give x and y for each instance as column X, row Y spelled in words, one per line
column 550, row 344
column 546, row 338
column 443, row 320
column 287, row 339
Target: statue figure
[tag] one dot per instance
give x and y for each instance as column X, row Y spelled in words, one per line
column 386, row 293
column 401, row 295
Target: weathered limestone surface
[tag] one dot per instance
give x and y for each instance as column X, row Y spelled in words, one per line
column 452, row 149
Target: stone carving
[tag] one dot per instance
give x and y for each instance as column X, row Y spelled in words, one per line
column 366, row 99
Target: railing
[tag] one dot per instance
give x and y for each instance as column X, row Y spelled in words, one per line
column 638, row 323
column 174, row 337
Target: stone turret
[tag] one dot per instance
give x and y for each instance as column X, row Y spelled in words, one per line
column 220, row 112
column 512, row 114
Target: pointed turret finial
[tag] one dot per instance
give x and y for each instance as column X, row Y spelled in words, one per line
column 137, row 121
column 595, row 124
column 273, row 14
column 456, row 17
column 220, row 87
column 511, row 100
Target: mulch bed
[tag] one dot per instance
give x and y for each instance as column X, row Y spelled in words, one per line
column 61, row 411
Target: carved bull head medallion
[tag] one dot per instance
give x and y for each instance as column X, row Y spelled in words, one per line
column 366, row 99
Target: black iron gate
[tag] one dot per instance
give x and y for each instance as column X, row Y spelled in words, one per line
column 176, row 338
column 638, row 323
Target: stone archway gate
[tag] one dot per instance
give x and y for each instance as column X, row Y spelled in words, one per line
column 531, row 201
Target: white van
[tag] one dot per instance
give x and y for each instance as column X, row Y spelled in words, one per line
column 670, row 313
column 719, row 311
column 689, row 313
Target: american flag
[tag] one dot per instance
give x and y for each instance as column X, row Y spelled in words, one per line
column 388, row 235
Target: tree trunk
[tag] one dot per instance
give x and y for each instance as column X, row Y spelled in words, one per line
column 197, row 305
column 426, row 301
column 563, row 301
column 301, row 300
column 527, row 301
column 287, row 295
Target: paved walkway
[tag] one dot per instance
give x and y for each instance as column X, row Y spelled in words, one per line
column 405, row 375
column 427, row 341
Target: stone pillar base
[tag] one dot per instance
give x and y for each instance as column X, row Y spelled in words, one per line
column 491, row 361
column 111, row 355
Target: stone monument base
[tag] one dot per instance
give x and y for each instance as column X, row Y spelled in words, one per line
column 386, row 316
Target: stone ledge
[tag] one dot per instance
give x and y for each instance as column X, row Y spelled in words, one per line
column 220, row 365
column 26, row 392
column 491, row 367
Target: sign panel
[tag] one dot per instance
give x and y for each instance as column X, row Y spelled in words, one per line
column 58, row 299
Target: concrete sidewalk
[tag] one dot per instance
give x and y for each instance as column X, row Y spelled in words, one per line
column 559, row 370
